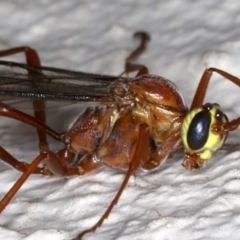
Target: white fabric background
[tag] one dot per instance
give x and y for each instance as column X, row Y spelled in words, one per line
column 95, row 36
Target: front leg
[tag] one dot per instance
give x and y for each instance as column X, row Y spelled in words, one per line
column 140, row 153
column 159, row 153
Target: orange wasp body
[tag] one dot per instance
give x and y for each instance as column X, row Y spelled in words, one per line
column 137, row 123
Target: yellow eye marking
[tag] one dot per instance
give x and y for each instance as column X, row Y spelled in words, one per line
column 213, row 141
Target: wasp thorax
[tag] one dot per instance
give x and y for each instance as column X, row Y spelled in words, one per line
column 198, row 133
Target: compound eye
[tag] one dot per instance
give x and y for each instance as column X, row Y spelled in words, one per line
column 198, row 130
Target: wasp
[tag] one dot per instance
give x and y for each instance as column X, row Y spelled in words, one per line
column 134, row 123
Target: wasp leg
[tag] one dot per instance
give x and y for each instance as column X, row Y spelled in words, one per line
column 8, row 111
column 129, row 65
column 55, row 165
column 31, row 55
column 32, row 59
column 20, row 166
column 140, row 154
column 158, row 154
column 30, row 169
column 203, row 85
column 88, row 164
column 60, row 164
column 86, row 135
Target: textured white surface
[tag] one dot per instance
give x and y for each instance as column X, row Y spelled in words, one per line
column 170, row 203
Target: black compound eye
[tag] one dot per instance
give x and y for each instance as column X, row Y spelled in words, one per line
column 198, row 130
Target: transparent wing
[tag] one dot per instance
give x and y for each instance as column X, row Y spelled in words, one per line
column 21, row 82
